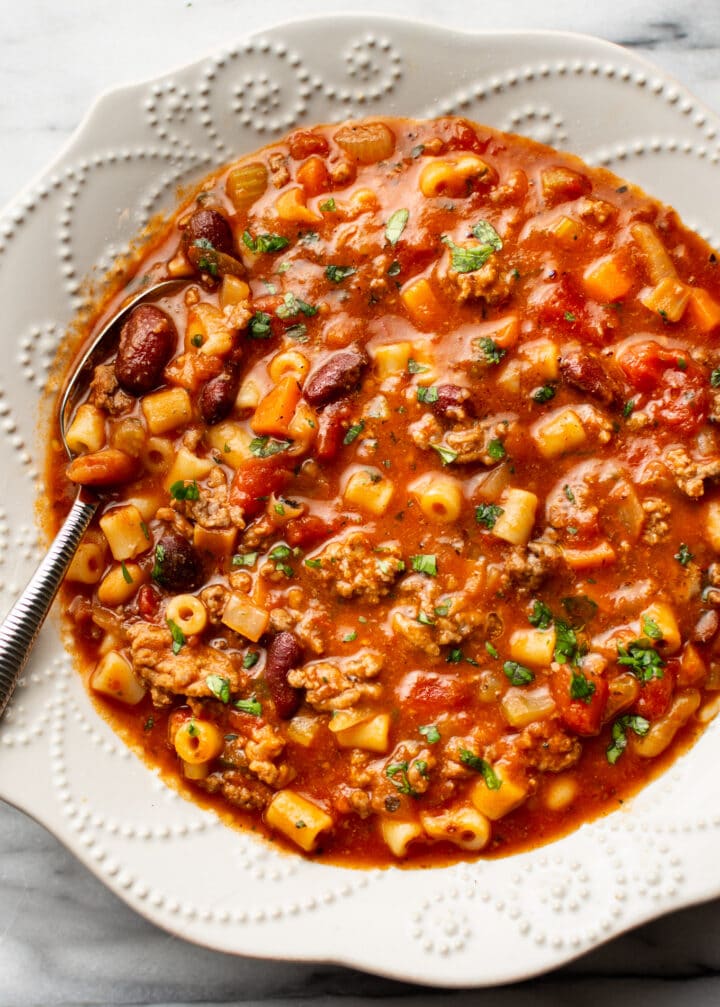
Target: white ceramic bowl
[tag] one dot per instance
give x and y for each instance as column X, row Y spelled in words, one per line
column 482, row 923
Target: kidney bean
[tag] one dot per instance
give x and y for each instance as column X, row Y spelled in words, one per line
column 218, row 395
column 453, row 403
column 284, row 653
column 109, row 467
column 177, row 565
column 340, row 374
column 148, row 602
column 211, row 227
column 583, row 369
column 147, row 341
column 706, row 627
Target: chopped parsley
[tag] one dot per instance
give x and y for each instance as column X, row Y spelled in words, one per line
column 424, row 563
column 430, row 733
column 157, row 570
column 178, row 636
column 683, row 555
column 467, row 260
column 219, row 687
column 245, row 559
column 543, row 394
column 619, row 734
column 314, row 564
column 354, row 432
column 715, row 378
column 259, row 325
column 541, row 616
column 127, row 576
column 487, row 514
column 580, row 608
column 207, row 262
column 581, row 687
column 265, row 242
column 642, row 659
column 569, row 317
column 298, row 332
column 329, row 205
column 491, row 650
column 293, row 306
column 447, row 455
column 266, row 447
column 336, row 274
column 566, row 642
column 455, row 656
column 427, row 394
column 251, row 659
column 185, row 491
column 492, row 353
column 569, row 495
column 414, row 367
column 251, row 706
column 397, row 773
column 278, row 555
column 487, row 234
column 396, row 225
column 651, row 629
column 482, row 766
column 628, row 408
column 349, row 637
column 517, row 674
column 425, row 620
column 496, row 449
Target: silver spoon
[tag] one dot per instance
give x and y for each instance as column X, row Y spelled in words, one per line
column 24, row 620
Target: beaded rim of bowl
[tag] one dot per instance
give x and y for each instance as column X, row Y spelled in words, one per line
column 471, row 924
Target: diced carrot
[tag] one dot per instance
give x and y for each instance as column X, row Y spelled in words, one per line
column 505, row 331
column 422, row 305
column 601, row 554
column 704, row 311
column 275, row 411
column 605, row 281
column 669, row 299
column 313, row 176
column 291, row 206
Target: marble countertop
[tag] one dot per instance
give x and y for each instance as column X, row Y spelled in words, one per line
column 64, row 939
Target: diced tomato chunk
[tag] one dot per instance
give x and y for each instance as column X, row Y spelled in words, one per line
column 655, row 695
column 253, row 483
column 307, row 530
column 674, row 382
column 332, row 427
column 582, row 716
column 427, row 692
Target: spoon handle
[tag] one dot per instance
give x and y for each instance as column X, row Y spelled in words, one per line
column 24, row 620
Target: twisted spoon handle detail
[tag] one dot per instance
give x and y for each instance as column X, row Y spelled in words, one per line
column 24, row 620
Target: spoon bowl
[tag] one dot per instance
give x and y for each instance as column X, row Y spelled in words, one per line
column 23, row 622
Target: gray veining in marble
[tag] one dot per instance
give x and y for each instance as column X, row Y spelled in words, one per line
column 64, row 939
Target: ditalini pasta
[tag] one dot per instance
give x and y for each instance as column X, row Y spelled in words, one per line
column 410, row 546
